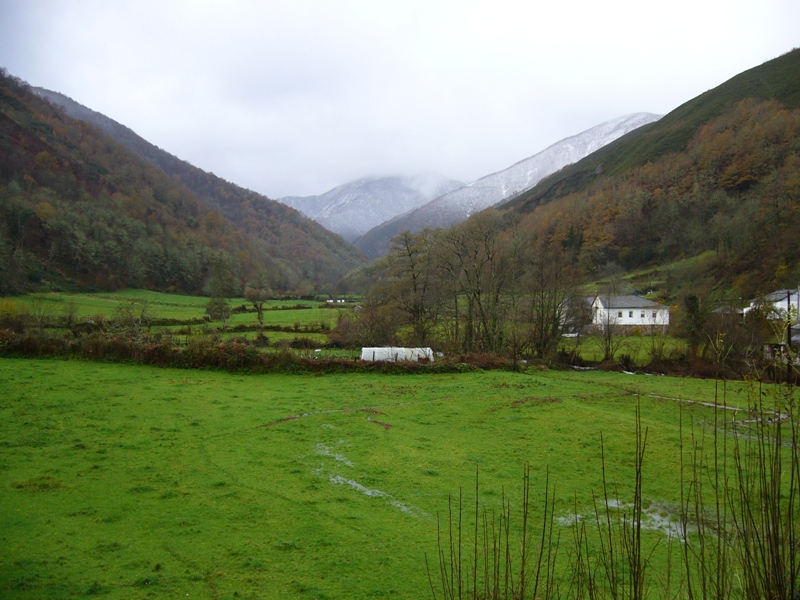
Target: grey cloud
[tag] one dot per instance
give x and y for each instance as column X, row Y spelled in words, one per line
column 293, row 98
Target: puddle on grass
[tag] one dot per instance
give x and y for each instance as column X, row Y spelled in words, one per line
column 335, row 479
column 409, row 510
column 654, row 518
column 339, row 480
column 323, row 450
column 374, row 493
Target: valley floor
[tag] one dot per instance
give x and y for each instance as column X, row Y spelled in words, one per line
column 131, row 481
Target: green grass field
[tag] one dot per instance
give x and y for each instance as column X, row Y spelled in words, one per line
column 105, row 303
column 130, row 482
column 171, row 306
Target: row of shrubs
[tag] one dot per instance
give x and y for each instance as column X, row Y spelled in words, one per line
column 240, row 354
column 207, row 353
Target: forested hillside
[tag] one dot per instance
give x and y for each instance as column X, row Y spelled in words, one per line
column 313, row 252
column 778, row 79
column 720, row 173
column 79, row 209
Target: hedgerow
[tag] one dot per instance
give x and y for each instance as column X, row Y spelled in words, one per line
column 207, row 353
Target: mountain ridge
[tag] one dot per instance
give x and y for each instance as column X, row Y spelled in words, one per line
column 492, row 189
column 716, row 181
column 776, row 78
column 354, row 208
column 80, row 209
column 322, row 256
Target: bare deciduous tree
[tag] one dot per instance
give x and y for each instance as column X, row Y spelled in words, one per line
column 474, row 251
column 551, row 286
column 413, row 287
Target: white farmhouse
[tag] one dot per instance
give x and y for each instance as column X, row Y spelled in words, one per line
column 628, row 311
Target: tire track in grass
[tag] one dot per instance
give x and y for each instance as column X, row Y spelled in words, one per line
column 368, row 409
column 776, row 416
column 191, row 565
column 373, row 409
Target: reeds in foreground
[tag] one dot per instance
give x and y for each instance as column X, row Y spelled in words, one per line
column 739, row 523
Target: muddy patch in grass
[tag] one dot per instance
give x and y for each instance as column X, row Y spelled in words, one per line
column 529, row 401
column 45, row 483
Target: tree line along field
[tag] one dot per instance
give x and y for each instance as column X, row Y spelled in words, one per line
column 127, row 481
column 296, row 319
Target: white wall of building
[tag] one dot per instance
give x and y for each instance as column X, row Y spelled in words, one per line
column 628, row 315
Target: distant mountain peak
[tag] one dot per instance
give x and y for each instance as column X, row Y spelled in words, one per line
column 354, row 208
column 458, row 205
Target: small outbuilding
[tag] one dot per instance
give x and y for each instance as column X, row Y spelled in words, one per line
column 729, row 312
column 396, row 354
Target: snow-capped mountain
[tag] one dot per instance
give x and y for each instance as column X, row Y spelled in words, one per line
column 354, row 208
column 458, row 205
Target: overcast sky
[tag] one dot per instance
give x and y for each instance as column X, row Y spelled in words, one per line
column 294, row 97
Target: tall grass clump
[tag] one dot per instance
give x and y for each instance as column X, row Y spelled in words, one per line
column 767, row 522
column 740, row 506
column 503, row 560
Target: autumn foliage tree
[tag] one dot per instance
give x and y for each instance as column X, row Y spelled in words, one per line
column 413, row 284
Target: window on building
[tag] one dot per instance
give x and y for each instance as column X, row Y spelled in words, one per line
column 654, row 314
column 619, row 314
column 642, row 315
column 630, row 314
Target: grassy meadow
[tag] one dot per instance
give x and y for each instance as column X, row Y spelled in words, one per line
column 640, row 348
column 132, row 482
column 172, row 306
column 298, row 318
